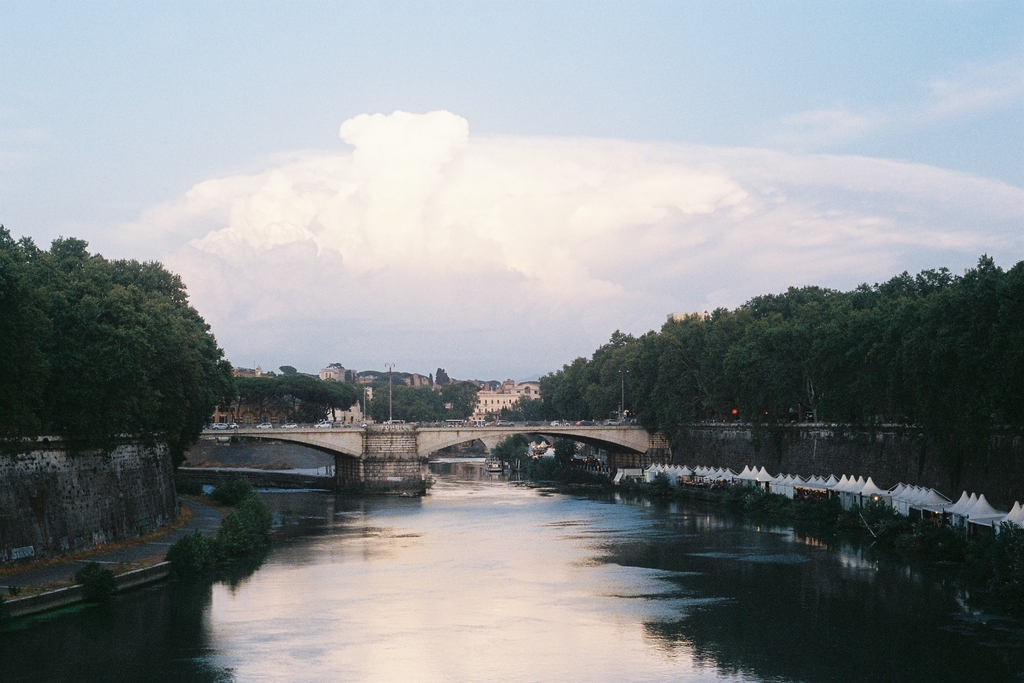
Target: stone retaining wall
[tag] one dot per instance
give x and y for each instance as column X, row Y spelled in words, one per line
column 889, row 455
column 53, row 503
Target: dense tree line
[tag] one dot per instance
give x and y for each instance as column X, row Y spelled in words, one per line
column 455, row 401
column 306, row 398
column 94, row 350
column 942, row 352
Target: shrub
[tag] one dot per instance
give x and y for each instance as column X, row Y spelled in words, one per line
column 242, row 531
column 191, row 554
column 232, row 491
column 187, row 487
column 99, row 583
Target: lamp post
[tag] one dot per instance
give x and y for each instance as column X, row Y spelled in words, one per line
column 390, row 367
column 622, row 400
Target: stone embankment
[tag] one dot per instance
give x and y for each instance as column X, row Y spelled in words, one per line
column 54, row 503
column 890, row 455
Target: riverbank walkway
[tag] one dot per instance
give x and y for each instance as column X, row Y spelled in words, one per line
column 126, row 556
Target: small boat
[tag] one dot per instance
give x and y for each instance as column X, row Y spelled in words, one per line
column 494, row 466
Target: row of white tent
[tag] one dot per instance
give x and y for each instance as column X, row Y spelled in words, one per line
column 969, row 509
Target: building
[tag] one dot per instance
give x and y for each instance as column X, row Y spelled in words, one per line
column 492, row 399
column 248, row 372
column 335, row 372
column 680, row 317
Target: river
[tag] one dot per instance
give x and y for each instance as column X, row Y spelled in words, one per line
column 483, row 580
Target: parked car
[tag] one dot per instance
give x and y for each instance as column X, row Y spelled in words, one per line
column 505, row 423
column 232, row 425
column 219, row 425
column 264, row 425
column 555, row 423
column 326, row 424
column 290, row 425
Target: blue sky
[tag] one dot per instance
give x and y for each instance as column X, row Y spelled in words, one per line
column 112, row 114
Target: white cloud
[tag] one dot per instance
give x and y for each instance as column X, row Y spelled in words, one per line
column 974, row 89
column 495, row 256
column 977, row 88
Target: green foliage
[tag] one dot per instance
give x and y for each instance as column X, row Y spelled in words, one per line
column 424, row 404
column 514, row 447
column 191, row 554
column 288, row 370
column 565, row 449
column 232, row 491
column 97, row 349
column 937, row 351
column 994, row 567
column 461, row 396
column 244, row 529
column 186, row 486
column 99, row 584
column 242, row 532
column 309, row 399
column 524, row 410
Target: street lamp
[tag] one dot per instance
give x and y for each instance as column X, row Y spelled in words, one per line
column 390, row 367
column 622, row 401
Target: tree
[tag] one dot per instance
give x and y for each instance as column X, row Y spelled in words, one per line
column 514, row 447
column 287, row 370
column 461, row 396
column 110, row 348
column 441, row 377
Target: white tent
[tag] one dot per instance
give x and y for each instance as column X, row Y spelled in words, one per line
column 931, row 500
column 961, row 515
column 959, row 505
column 849, row 495
column 870, row 491
column 1012, row 517
column 984, row 514
column 831, row 482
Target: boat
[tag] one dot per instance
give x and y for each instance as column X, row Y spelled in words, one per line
column 493, row 465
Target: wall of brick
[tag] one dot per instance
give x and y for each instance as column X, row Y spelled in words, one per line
column 52, row 503
column 889, row 456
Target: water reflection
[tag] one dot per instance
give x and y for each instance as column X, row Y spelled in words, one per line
column 482, row 580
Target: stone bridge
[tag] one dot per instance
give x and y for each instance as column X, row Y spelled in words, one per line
column 395, row 455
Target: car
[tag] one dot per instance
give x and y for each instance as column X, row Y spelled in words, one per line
column 326, row 424
column 264, row 425
column 290, row 425
column 232, row 425
column 555, row 423
column 220, row 425
column 611, row 423
column 504, row 423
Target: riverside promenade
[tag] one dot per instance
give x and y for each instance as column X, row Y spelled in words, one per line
column 50, row 584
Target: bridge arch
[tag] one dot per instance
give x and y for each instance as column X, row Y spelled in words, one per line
column 629, row 439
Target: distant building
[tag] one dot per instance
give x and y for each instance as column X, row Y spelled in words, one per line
column 248, row 372
column 335, row 372
column 680, row 317
column 492, row 399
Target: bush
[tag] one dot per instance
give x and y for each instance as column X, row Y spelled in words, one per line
column 232, row 491
column 242, row 531
column 191, row 554
column 994, row 567
column 99, row 583
column 187, row 487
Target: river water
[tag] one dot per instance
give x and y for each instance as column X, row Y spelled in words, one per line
column 487, row 581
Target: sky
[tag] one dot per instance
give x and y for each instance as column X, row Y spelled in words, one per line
column 494, row 188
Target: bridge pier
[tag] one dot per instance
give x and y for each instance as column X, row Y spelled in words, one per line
column 390, row 461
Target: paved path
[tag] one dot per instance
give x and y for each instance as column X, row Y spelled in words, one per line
column 204, row 517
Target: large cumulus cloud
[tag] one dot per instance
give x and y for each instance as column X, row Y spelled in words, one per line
column 494, row 256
